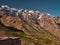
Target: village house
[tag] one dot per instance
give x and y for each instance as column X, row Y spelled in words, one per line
column 10, row 41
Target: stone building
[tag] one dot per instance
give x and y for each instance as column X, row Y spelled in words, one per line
column 10, row 41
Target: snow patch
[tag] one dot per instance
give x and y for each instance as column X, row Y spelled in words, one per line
column 31, row 11
column 5, row 6
column 13, row 9
column 37, row 11
column 40, row 16
column 20, row 10
column 29, row 14
column 48, row 14
column 25, row 10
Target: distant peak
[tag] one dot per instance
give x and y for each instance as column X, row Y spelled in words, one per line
column 4, row 6
column 32, row 13
column 13, row 9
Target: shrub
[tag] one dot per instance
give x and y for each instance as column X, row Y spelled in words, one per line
column 46, row 40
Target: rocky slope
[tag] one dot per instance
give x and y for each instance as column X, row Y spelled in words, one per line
column 37, row 27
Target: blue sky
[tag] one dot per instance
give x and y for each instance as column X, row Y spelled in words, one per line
column 50, row 6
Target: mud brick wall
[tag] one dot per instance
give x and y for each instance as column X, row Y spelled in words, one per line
column 10, row 42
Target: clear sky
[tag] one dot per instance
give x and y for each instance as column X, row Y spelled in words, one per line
column 50, row 6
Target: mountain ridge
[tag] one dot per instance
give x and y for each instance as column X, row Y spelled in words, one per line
column 31, row 22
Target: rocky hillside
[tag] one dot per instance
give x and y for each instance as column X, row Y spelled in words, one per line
column 33, row 27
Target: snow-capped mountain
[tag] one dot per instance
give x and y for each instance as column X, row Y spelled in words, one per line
column 14, row 10
column 25, row 14
column 32, row 22
column 33, row 16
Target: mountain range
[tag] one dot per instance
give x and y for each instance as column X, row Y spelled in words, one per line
column 32, row 26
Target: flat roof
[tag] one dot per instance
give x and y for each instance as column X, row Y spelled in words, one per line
column 3, row 38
